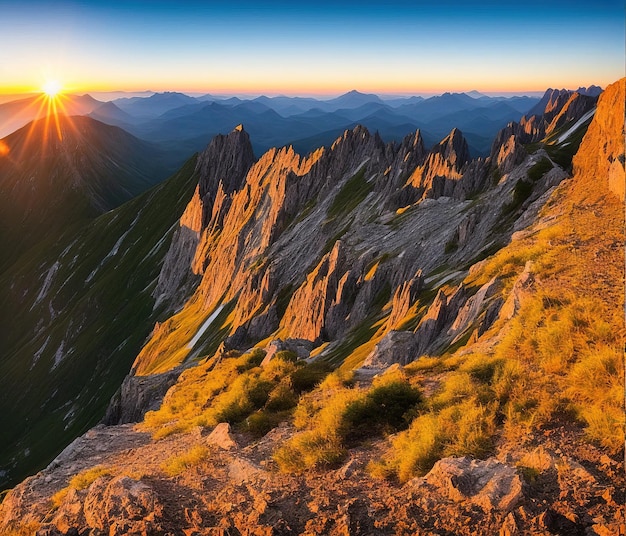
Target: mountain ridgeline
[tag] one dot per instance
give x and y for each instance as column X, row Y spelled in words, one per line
column 435, row 283
column 316, row 248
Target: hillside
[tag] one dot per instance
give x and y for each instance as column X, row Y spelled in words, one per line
column 373, row 338
column 63, row 171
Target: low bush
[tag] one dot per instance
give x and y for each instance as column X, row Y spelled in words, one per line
column 343, row 417
column 463, row 429
column 309, row 376
column 85, row 478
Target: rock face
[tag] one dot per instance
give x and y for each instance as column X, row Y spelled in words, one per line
column 444, row 163
column 404, row 298
column 601, row 154
column 137, row 395
column 122, row 506
column 221, row 169
column 489, row 484
column 305, row 317
column 176, row 278
column 557, row 107
column 469, row 313
column 300, row 347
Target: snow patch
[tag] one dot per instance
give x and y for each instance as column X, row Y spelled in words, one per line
column 575, row 126
column 115, row 249
column 160, row 242
column 39, row 352
column 47, row 282
column 204, row 327
column 59, row 355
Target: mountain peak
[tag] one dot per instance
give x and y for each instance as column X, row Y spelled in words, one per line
column 225, row 161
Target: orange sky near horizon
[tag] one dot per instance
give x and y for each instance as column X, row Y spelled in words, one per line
column 326, row 48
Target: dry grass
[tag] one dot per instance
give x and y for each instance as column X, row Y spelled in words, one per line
column 80, row 481
column 177, row 465
column 234, row 390
column 334, row 420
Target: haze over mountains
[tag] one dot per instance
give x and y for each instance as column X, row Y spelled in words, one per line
column 307, row 123
column 182, row 124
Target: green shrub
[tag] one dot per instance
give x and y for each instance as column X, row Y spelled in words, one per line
column 261, row 422
column 344, row 417
column 309, row 376
column 463, row 429
column 281, row 398
column 251, row 360
column 286, row 355
column 310, row 449
column 521, row 193
column 538, row 170
column 386, row 408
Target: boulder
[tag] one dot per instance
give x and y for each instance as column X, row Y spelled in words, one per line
column 301, row 347
column 489, row 484
column 221, row 437
column 123, row 506
column 395, row 347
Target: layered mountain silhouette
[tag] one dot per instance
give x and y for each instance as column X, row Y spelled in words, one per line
column 308, row 123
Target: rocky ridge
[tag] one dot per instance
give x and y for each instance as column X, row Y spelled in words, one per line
column 372, row 267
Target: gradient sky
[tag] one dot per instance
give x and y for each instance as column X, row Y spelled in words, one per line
column 321, row 47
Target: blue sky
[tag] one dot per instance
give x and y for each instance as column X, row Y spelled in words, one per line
column 311, row 48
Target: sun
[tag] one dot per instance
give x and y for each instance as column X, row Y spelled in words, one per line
column 52, row 88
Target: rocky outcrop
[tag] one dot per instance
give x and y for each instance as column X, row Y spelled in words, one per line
column 123, row 506
column 444, row 163
column 301, row 348
column 395, row 347
column 600, row 158
column 574, row 108
column 440, row 314
column 138, row 395
column 489, row 484
column 222, row 437
column 222, row 167
column 403, row 299
column 556, row 108
column 521, row 289
column 305, row 317
column 474, row 306
column 176, row 279
column 508, row 153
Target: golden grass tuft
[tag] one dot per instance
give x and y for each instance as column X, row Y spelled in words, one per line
column 180, row 463
column 79, row 482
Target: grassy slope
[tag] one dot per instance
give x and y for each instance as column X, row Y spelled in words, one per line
column 91, row 301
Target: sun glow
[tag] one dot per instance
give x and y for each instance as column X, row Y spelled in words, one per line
column 52, row 88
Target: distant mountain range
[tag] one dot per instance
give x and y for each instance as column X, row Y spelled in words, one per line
column 183, row 124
